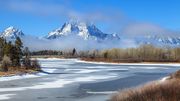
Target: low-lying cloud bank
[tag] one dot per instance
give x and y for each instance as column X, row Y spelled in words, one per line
column 74, row 41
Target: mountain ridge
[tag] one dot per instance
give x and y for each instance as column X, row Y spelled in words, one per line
column 88, row 31
column 11, row 33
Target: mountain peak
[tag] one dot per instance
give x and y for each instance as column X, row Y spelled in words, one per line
column 81, row 29
column 11, row 33
column 10, row 28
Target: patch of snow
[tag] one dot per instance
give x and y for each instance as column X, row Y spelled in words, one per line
column 54, row 84
column 84, row 30
column 93, row 78
column 66, row 29
column 53, row 59
column 82, row 70
column 170, row 39
column 49, row 65
column 11, row 33
column 17, row 77
column 87, row 71
column 5, row 96
column 58, row 83
column 104, row 92
column 164, row 79
column 123, row 69
column 99, row 67
column 148, row 67
column 49, row 70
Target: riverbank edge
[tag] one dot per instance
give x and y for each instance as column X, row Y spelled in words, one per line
column 119, row 62
column 167, row 89
column 98, row 60
column 20, row 71
column 82, row 60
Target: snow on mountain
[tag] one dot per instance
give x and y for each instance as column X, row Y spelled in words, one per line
column 83, row 30
column 11, row 33
column 159, row 40
column 167, row 39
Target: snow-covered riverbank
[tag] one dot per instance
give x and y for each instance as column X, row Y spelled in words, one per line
column 139, row 64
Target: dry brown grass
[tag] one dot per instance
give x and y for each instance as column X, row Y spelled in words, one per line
column 175, row 75
column 17, row 71
column 109, row 60
column 168, row 90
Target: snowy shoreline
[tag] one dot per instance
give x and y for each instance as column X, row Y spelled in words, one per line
column 141, row 63
column 110, row 63
column 26, row 75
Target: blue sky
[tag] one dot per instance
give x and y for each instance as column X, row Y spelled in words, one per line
column 38, row 17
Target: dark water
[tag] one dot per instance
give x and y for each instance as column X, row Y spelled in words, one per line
column 71, row 80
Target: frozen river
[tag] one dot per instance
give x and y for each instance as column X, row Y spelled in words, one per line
column 74, row 80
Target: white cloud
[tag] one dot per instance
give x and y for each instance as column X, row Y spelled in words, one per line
column 74, row 41
column 137, row 29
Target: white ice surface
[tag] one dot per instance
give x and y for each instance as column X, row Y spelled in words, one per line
column 21, row 77
column 49, row 70
column 25, row 76
column 83, row 70
column 59, row 83
column 52, row 59
column 147, row 67
column 104, row 92
column 5, row 96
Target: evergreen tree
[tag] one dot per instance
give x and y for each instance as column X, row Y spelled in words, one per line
column 7, row 49
column 18, row 51
column 11, row 54
column 73, row 52
column 2, row 43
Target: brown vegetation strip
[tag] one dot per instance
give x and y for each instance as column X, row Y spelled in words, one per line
column 168, row 90
column 121, row 60
column 17, row 71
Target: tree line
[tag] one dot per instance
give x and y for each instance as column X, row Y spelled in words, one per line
column 69, row 53
column 143, row 53
column 14, row 56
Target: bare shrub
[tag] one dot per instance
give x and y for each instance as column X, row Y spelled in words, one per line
column 35, row 65
column 175, row 75
column 26, row 62
column 6, row 62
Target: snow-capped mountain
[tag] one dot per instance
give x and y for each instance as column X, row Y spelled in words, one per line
column 11, row 33
column 83, row 30
column 159, row 40
column 80, row 32
column 167, row 39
